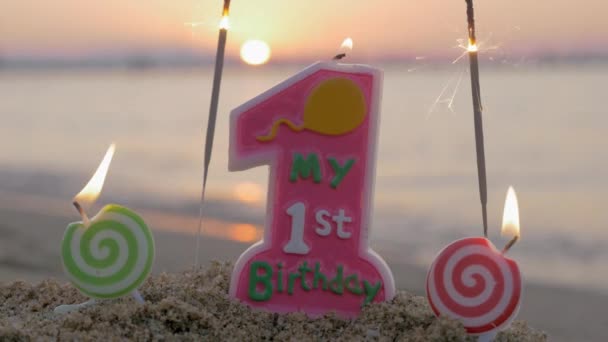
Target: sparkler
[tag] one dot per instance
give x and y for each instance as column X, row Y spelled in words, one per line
column 215, row 94
column 477, row 111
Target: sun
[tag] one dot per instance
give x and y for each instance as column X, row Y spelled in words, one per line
column 255, row 52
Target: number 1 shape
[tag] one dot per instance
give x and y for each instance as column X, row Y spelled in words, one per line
column 317, row 133
column 296, row 244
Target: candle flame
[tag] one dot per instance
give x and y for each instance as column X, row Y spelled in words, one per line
column 510, row 217
column 91, row 191
column 225, row 22
column 347, row 44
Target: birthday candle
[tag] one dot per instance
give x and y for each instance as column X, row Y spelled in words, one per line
column 317, row 131
column 472, row 281
column 110, row 255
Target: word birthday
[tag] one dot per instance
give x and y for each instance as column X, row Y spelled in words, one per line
column 309, row 279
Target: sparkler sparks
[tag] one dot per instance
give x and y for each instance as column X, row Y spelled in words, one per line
column 483, row 47
column 194, row 24
column 451, row 86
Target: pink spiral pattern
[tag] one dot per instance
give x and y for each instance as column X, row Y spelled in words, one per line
column 470, row 280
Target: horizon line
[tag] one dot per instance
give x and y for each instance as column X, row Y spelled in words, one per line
column 185, row 60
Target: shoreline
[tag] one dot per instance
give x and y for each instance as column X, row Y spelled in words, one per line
column 19, row 209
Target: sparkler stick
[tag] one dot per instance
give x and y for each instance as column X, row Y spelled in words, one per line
column 215, row 94
column 477, row 111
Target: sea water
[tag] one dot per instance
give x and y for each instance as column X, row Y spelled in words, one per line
column 545, row 134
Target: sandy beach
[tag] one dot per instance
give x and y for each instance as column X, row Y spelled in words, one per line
column 194, row 305
column 32, row 255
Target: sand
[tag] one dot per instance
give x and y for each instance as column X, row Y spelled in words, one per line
column 29, row 251
column 194, row 305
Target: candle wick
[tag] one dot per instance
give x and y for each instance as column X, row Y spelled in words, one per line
column 510, row 244
column 339, row 56
column 83, row 214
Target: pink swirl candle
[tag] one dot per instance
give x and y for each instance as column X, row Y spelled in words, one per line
column 472, row 281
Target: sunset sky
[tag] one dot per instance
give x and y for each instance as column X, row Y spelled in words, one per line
column 299, row 29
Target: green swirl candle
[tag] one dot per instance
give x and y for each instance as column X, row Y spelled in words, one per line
column 110, row 255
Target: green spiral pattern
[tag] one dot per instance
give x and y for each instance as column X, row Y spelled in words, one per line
column 129, row 266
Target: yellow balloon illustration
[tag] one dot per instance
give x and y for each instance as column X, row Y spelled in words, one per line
column 334, row 107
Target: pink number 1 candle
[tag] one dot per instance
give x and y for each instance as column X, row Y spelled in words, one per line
column 317, row 132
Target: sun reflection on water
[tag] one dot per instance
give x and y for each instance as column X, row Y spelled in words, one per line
column 249, row 193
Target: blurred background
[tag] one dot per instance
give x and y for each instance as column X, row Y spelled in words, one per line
column 76, row 76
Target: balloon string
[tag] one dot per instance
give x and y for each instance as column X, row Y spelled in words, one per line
column 275, row 129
